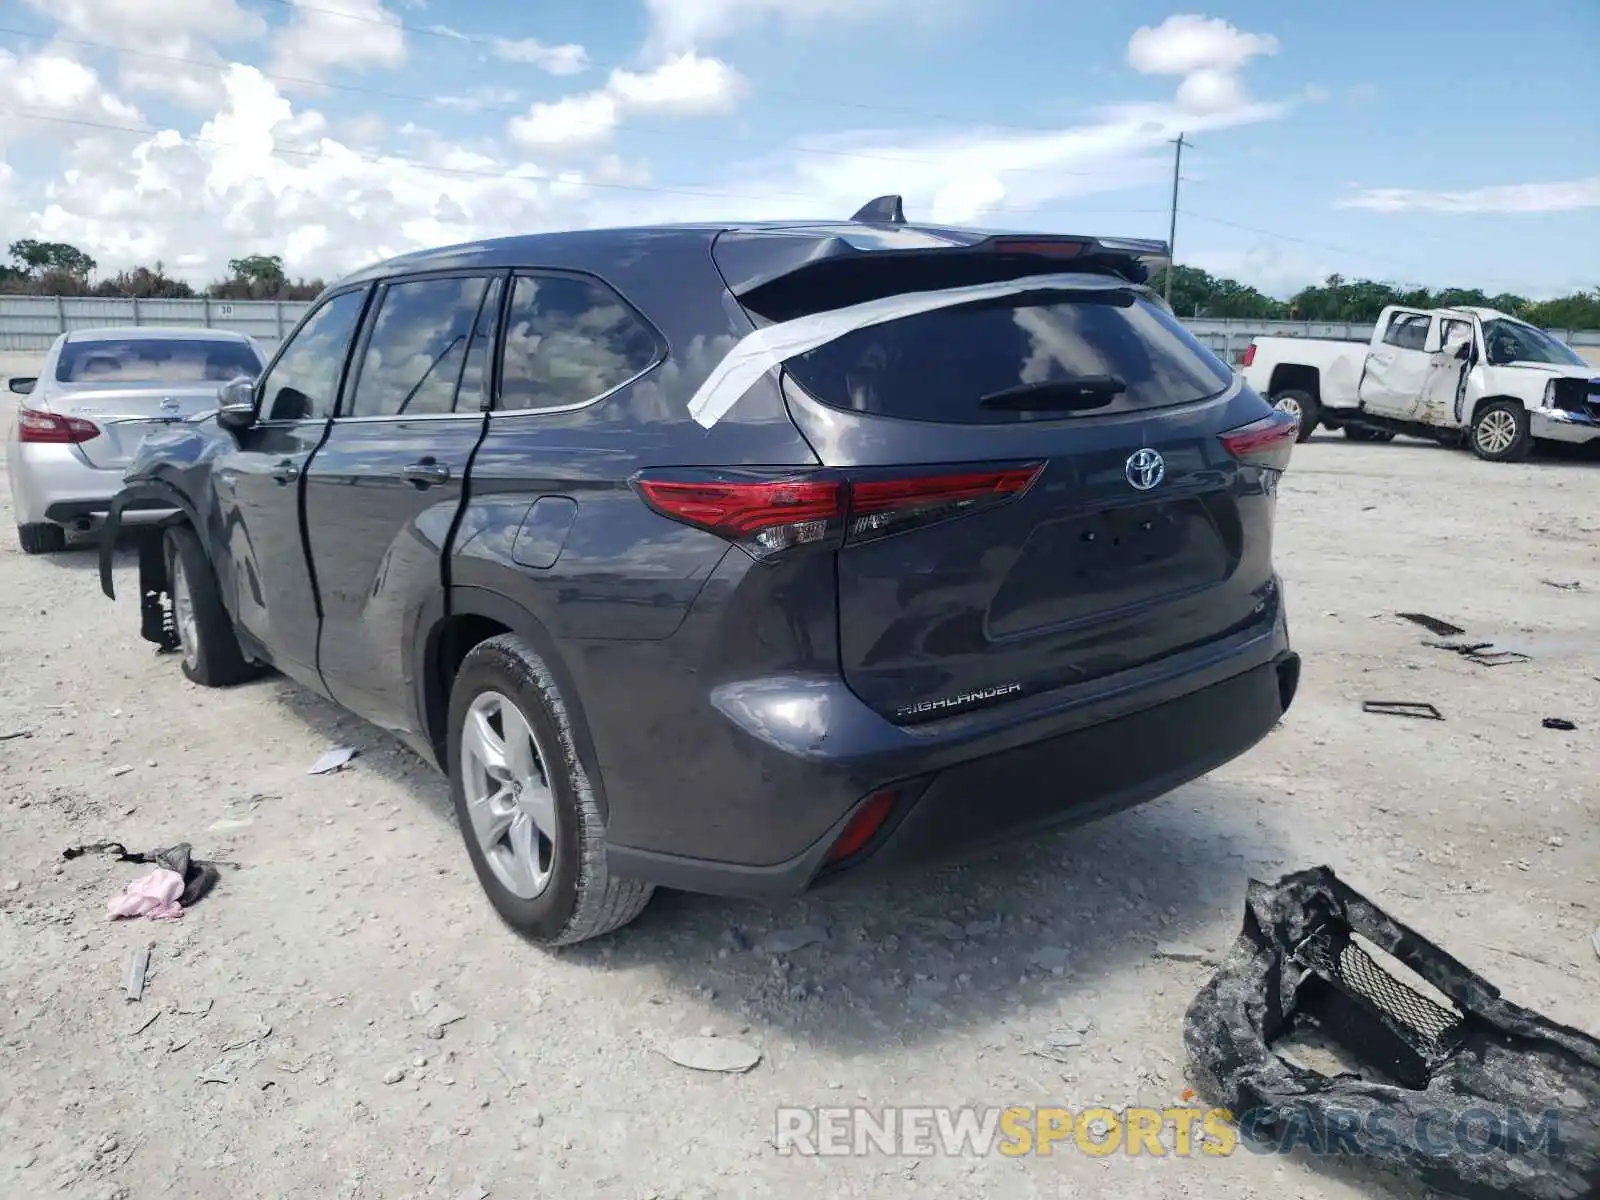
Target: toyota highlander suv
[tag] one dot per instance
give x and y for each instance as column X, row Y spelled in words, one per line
column 739, row 557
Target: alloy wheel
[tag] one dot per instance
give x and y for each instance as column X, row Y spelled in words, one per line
column 509, row 801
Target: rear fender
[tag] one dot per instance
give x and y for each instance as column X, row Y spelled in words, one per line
column 433, row 690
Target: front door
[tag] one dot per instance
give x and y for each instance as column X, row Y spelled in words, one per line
column 384, row 490
column 268, row 574
column 1447, row 375
column 1397, row 368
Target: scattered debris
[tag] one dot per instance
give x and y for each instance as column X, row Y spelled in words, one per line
column 727, row 1055
column 1184, row 952
column 116, row 772
column 1432, row 624
column 1403, row 708
column 199, row 875
column 1459, row 647
column 1563, row 585
column 16, row 733
column 1594, row 940
column 333, row 760
column 259, row 1034
column 1414, row 1042
column 144, row 1024
column 1558, row 723
column 154, row 896
column 786, row 941
column 1051, row 958
column 198, row 1008
column 1496, row 658
column 138, row 965
column 441, row 1016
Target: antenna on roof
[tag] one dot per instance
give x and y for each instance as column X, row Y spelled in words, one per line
column 885, row 210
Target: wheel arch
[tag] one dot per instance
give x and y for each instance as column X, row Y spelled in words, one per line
column 474, row 615
column 1483, row 402
column 1296, row 376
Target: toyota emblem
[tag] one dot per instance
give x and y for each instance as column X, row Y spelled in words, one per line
column 1144, row 469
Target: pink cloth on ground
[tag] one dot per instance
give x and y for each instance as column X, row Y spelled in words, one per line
column 154, row 895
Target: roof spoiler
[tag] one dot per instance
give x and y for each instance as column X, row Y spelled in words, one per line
column 1133, row 259
column 884, row 210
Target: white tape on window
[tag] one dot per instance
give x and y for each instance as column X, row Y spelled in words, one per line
column 757, row 353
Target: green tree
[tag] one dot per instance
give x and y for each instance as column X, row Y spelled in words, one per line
column 37, row 258
column 259, row 270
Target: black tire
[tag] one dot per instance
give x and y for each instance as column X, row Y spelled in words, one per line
column 210, row 649
column 43, row 538
column 1303, row 405
column 582, row 899
column 1491, row 423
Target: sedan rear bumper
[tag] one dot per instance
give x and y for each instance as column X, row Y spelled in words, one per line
column 52, row 483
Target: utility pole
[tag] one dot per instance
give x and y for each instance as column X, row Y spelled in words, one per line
column 1172, row 229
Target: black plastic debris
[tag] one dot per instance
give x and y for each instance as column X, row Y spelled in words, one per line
column 1495, row 658
column 1436, row 1075
column 1558, row 723
column 1403, row 708
column 199, row 875
column 1432, row 624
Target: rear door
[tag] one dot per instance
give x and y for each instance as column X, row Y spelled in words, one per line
column 1139, row 536
column 129, row 386
column 384, row 490
column 1397, row 367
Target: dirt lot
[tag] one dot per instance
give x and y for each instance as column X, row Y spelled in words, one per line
column 277, row 1050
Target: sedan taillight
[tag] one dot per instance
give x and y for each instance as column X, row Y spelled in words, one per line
column 43, row 427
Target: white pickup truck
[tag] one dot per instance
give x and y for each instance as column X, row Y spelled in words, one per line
column 1455, row 375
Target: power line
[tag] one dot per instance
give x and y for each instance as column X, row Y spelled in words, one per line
column 222, row 68
column 510, row 176
column 493, row 42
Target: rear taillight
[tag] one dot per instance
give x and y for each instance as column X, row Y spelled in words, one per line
column 36, row 426
column 1264, row 443
column 1249, row 355
column 766, row 513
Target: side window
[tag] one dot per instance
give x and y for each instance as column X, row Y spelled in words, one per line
column 1407, row 331
column 418, row 348
column 303, row 384
column 473, row 395
column 569, row 340
column 1454, row 333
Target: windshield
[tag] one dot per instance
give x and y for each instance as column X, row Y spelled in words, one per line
column 156, row 361
column 1512, row 341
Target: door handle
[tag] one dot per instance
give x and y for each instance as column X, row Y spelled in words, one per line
column 426, row 473
column 287, row 471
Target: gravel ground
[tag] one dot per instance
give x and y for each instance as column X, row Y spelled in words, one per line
column 278, row 1049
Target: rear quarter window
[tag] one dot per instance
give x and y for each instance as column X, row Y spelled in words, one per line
column 938, row 366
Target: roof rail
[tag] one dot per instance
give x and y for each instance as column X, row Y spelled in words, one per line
column 884, row 210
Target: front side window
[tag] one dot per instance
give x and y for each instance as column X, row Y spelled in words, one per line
column 1512, row 341
column 570, row 340
column 156, row 361
column 303, row 385
column 414, row 359
column 1407, row 331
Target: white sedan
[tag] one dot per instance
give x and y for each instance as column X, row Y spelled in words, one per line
column 97, row 395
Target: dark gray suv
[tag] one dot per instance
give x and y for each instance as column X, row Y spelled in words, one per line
column 734, row 558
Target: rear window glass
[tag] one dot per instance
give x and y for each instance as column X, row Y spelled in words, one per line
column 163, row 360
column 938, row 366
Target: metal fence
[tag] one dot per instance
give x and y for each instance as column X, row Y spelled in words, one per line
column 33, row 322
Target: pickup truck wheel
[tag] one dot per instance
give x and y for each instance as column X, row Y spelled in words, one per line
column 1302, row 405
column 42, row 538
column 524, row 803
column 1500, row 432
column 210, row 648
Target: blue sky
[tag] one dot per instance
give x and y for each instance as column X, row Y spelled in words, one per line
column 1435, row 142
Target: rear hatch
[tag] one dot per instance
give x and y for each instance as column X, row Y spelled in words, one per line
column 1111, row 525
column 125, row 413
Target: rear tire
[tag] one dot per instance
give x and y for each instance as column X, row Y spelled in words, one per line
column 556, row 889
column 1500, row 432
column 1299, row 404
column 210, row 648
column 42, row 538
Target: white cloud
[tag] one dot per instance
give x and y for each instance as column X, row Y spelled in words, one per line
column 568, row 59
column 361, row 34
column 52, row 84
column 479, row 98
column 1505, row 198
column 1186, row 42
column 157, row 32
column 686, row 85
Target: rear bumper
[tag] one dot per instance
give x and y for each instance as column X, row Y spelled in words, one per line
column 53, row 483
column 1071, row 778
column 1561, row 425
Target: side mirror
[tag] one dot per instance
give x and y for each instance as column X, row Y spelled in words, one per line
column 22, row 385
column 237, row 404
